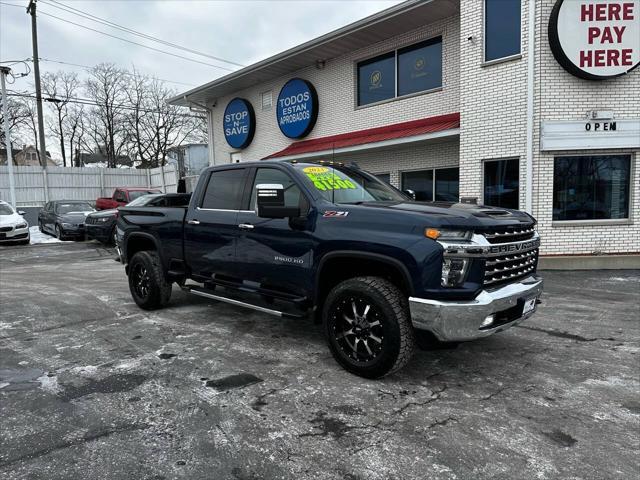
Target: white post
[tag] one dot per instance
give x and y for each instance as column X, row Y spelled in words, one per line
column 148, row 178
column 101, row 182
column 164, row 188
column 7, row 136
column 46, row 185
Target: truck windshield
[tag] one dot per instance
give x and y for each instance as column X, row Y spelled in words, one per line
column 339, row 184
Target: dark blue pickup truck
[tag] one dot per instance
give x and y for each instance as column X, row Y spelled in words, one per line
column 379, row 270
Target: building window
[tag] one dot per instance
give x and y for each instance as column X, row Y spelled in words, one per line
column 591, row 187
column 420, row 67
column 385, row 177
column 439, row 184
column 502, row 183
column 416, row 68
column 377, row 79
column 267, row 100
column 501, row 29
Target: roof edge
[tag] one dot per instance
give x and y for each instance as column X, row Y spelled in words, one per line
column 347, row 29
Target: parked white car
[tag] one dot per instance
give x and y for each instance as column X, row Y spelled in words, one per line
column 13, row 228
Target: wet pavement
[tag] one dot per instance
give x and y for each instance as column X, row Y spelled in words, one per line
column 93, row 387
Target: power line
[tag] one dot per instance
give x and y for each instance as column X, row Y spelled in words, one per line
column 11, row 5
column 136, row 43
column 66, row 8
column 89, row 102
column 88, row 67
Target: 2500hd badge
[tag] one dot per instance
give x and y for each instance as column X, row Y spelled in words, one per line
column 381, row 272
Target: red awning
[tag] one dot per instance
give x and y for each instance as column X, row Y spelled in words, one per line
column 372, row 135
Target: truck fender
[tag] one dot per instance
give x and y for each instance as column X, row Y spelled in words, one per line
column 378, row 257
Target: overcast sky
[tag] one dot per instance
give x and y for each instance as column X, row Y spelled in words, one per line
column 240, row 31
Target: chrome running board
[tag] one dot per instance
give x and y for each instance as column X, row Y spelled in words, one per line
column 207, row 294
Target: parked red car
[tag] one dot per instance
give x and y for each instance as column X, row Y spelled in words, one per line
column 122, row 196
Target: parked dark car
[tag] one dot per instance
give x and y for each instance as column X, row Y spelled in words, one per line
column 101, row 225
column 64, row 218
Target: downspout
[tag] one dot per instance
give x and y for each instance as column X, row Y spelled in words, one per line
column 209, row 111
column 530, row 91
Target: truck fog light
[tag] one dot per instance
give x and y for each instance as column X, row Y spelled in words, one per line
column 487, row 321
column 453, row 271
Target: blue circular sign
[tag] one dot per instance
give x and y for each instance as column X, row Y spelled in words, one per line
column 297, row 108
column 239, row 123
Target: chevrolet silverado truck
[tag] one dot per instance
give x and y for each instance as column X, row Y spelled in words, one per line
column 122, row 196
column 383, row 273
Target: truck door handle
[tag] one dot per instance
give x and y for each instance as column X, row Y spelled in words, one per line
column 194, row 222
column 246, row 226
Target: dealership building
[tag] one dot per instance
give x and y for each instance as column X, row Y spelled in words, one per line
column 526, row 104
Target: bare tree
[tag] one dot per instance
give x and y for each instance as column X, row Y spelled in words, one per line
column 31, row 122
column 18, row 116
column 61, row 88
column 155, row 126
column 74, row 128
column 106, row 87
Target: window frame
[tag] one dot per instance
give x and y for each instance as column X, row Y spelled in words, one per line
column 252, row 178
column 356, row 72
column 508, row 58
column 433, row 179
column 599, row 221
column 505, row 159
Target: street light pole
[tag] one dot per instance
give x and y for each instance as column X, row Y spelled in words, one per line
column 42, row 153
column 4, row 71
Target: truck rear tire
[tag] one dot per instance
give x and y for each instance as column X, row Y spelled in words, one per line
column 149, row 288
column 368, row 327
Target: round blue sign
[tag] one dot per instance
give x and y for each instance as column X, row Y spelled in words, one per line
column 297, row 108
column 239, row 123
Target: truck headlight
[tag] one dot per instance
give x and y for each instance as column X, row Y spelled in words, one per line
column 453, row 271
column 448, row 235
column 103, row 219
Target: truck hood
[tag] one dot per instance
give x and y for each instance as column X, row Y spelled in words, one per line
column 457, row 215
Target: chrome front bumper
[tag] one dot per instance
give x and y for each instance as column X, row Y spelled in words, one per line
column 461, row 321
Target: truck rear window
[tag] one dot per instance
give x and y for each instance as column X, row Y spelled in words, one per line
column 224, row 190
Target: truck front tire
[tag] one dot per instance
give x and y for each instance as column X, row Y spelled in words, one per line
column 368, row 327
column 149, row 288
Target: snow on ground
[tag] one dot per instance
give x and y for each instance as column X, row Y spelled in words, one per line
column 38, row 237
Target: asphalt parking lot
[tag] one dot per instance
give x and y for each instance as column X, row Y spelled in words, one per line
column 93, row 387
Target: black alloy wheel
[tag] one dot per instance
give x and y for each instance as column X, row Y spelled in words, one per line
column 40, row 227
column 140, row 281
column 357, row 330
column 59, row 234
column 368, row 328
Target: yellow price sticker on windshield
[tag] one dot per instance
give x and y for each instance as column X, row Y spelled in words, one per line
column 315, row 170
column 329, row 181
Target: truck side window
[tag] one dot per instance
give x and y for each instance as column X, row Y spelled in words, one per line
column 292, row 194
column 224, row 190
column 119, row 196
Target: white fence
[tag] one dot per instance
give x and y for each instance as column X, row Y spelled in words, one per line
column 36, row 186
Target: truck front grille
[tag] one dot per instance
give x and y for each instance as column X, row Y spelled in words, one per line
column 509, row 267
column 509, row 234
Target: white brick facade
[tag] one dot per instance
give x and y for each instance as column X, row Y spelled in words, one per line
column 492, row 102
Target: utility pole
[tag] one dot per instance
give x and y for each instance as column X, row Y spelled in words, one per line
column 4, row 71
column 42, row 153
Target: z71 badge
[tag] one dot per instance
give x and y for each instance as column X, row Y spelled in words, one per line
column 333, row 213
